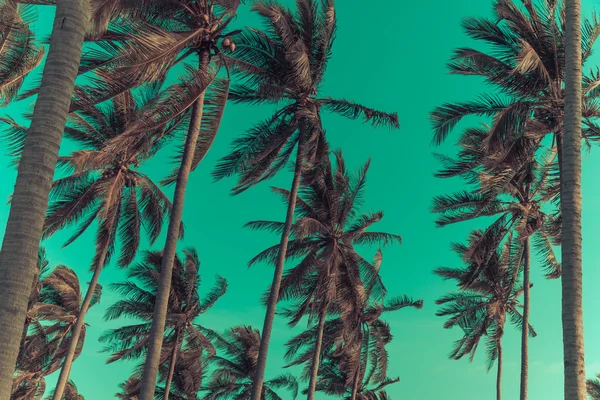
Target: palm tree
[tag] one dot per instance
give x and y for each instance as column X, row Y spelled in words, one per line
column 71, row 392
column 356, row 336
column 285, row 65
column 36, row 169
column 572, row 279
column 183, row 334
column 593, row 388
column 53, row 318
column 235, row 367
column 329, row 224
column 482, row 305
column 105, row 189
column 511, row 187
column 19, row 52
column 146, row 50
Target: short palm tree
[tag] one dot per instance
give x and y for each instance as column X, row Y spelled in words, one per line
column 235, row 365
column 107, row 189
column 356, row 336
column 19, row 52
column 480, row 308
column 513, row 188
column 285, row 64
column 71, row 392
column 593, row 388
column 329, row 223
column 52, row 320
column 183, row 334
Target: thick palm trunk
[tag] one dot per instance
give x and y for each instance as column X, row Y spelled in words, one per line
column 572, row 280
column 34, row 180
column 314, row 371
column 261, row 364
column 63, row 378
column 172, row 364
column 499, row 376
column 166, row 269
column 525, row 327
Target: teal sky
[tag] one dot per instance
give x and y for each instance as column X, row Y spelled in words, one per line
column 389, row 55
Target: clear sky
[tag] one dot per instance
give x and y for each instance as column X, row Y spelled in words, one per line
column 389, row 55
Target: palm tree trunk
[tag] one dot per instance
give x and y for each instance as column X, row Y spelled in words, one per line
column 172, row 364
column 261, row 364
column 572, row 279
column 356, row 382
column 166, row 269
column 525, row 326
column 34, row 180
column 63, row 378
column 314, row 371
column 499, row 376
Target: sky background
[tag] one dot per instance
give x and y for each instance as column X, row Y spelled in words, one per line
column 389, row 55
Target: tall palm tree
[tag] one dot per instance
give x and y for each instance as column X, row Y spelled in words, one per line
column 329, row 223
column 285, row 65
column 53, row 318
column 483, row 304
column 525, row 62
column 184, row 33
column 572, row 279
column 19, row 52
column 593, row 388
column 234, row 368
column 183, row 333
column 34, row 180
column 355, row 337
column 512, row 188
column 105, row 189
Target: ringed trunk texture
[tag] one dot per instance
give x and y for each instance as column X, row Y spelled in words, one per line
column 499, row 376
column 166, row 269
column 30, row 198
column 65, row 371
column 525, row 327
column 261, row 364
column 314, row 371
column 572, row 279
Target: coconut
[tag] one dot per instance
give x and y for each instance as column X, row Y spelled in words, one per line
column 206, row 18
column 226, row 42
column 232, row 47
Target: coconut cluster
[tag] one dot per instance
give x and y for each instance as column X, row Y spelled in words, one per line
column 228, row 44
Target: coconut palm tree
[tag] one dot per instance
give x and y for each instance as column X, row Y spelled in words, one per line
column 186, row 34
column 285, row 65
column 572, row 279
column 19, row 52
column 329, row 223
column 34, row 180
column 53, row 318
column 183, row 334
column 109, row 190
column 512, row 187
column 593, row 388
column 480, row 308
column 234, row 368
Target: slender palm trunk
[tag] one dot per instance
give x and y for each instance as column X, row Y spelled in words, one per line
column 499, row 376
column 525, row 327
column 314, row 371
column 356, row 382
column 34, row 180
column 166, row 269
column 172, row 364
column 572, row 279
column 63, row 378
column 261, row 364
